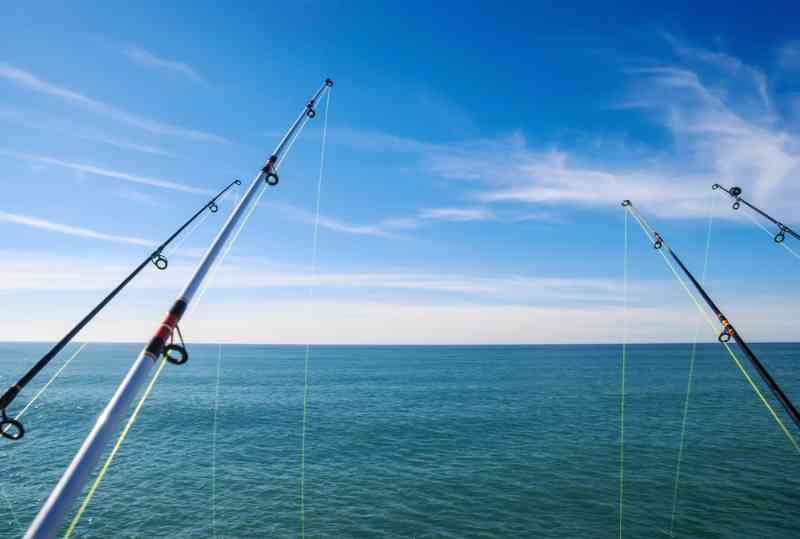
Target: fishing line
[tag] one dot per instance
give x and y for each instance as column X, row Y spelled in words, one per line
column 760, row 225
column 736, row 194
column 159, row 349
column 13, row 429
column 150, row 386
column 291, row 143
column 212, row 276
column 690, row 379
column 311, row 318
column 51, row 380
column 167, row 252
column 172, row 250
column 214, row 449
column 730, row 351
column 25, row 409
column 123, row 434
column 622, row 377
column 22, row 412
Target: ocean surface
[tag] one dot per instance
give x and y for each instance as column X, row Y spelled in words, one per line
column 417, row 442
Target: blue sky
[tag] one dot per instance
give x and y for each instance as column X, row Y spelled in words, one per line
column 475, row 163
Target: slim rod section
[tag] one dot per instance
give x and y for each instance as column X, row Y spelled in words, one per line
column 735, row 193
column 728, row 331
column 51, row 516
column 15, row 428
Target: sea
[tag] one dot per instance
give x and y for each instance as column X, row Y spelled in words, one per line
column 417, row 442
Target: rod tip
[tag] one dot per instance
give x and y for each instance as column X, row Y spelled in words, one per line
column 328, row 82
column 626, row 203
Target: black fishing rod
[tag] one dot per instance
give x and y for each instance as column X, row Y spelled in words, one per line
column 11, row 428
column 728, row 331
column 736, row 192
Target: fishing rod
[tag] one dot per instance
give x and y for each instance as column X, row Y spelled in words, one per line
column 12, row 428
column 51, row 516
column 736, row 192
column 728, row 331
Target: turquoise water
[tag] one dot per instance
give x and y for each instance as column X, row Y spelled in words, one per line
column 418, row 442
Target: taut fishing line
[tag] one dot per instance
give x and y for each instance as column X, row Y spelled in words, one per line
column 22, row 412
column 161, row 348
column 311, row 317
column 232, row 195
column 711, row 324
column 783, row 230
column 12, row 428
column 214, row 448
column 249, row 213
column 689, row 379
column 167, row 252
column 110, row 458
column 771, row 235
column 622, row 377
column 131, row 420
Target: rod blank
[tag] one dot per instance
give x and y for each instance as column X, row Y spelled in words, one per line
column 728, row 331
column 51, row 516
column 13, row 429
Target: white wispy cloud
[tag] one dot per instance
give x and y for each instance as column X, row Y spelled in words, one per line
column 34, row 83
column 456, row 214
column 393, row 226
column 42, row 224
column 106, row 172
column 148, row 59
column 331, row 223
column 23, row 118
column 36, row 271
column 141, row 198
column 720, row 114
column 370, row 322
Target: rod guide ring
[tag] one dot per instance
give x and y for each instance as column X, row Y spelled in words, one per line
column 160, row 261
column 176, row 354
column 213, row 207
column 11, row 428
column 272, row 178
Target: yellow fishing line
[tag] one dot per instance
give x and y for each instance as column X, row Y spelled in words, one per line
column 714, row 328
column 771, row 235
column 50, row 381
column 690, row 377
column 622, row 379
column 26, row 408
column 311, row 315
column 114, row 451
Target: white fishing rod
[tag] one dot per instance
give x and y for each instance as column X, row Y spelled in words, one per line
column 51, row 516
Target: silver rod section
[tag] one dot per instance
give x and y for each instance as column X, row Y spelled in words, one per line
column 50, row 518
